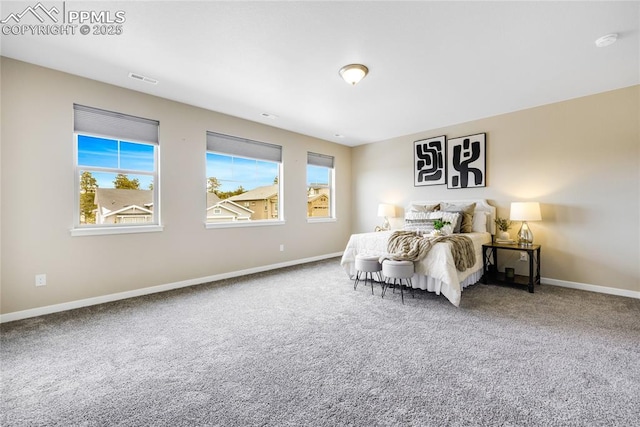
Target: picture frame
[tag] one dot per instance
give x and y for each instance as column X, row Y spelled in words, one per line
column 429, row 161
column 466, row 161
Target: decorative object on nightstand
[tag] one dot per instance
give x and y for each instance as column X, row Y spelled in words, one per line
column 386, row 211
column 525, row 211
column 503, row 225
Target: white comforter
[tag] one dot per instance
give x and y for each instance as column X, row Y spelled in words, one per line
column 435, row 273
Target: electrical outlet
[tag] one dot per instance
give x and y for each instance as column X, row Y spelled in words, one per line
column 281, row 248
column 41, row 279
column 523, row 256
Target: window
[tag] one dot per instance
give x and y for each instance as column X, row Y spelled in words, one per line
column 243, row 178
column 116, row 158
column 320, row 188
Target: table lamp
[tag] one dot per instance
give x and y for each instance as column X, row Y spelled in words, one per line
column 386, row 211
column 525, row 211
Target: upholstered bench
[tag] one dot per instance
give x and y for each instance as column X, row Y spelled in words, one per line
column 367, row 264
column 397, row 271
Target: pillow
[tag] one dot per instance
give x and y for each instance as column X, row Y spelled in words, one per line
column 454, row 219
column 424, row 208
column 425, row 224
column 467, row 214
column 480, row 221
column 422, row 226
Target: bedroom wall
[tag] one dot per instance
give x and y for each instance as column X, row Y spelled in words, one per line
column 38, row 197
column 579, row 158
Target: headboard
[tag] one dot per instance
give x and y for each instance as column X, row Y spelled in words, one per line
column 481, row 206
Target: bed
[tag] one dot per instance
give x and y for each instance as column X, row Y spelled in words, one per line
column 437, row 271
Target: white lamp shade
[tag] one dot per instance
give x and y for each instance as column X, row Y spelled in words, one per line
column 385, row 210
column 525, row 211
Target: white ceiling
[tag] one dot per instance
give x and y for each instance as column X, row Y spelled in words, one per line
column 432, row 64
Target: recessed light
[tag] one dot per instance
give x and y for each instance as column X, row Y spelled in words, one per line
column 269, row 116
column 142, row 78
column 607, row 40
column 337, row 135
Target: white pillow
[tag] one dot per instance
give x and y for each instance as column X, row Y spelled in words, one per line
column 451, row 217
column 480, row 221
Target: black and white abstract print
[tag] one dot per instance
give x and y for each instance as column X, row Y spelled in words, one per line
column 429, row 161
column 466, row 161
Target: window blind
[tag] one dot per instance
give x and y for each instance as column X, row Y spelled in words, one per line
column 241, row 147
column 116, row 125
column 316, row 159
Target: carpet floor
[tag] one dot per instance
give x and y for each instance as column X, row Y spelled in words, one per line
column 299, row 347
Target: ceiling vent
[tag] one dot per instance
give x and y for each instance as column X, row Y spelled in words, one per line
column 143, row 78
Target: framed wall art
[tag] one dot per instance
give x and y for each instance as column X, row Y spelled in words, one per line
column 466, row 161
column 428, row 161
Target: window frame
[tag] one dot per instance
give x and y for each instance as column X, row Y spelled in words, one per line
column 127, row 137
column 240, row 152
column 323, row 158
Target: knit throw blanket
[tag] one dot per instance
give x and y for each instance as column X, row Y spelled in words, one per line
column 409, row 246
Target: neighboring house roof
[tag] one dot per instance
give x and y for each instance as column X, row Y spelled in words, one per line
column 111, row 200
column 259, row 193
column 130, row 210
column 212, row 199
column 230, row 206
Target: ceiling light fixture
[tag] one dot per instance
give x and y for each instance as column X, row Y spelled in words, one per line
column 269, row 116
column 353, row 73
column 607, row 40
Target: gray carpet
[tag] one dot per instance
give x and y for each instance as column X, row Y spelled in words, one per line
column 300, row 347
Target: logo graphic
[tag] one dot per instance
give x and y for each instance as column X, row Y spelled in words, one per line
column 17, row 17
column 39, row 20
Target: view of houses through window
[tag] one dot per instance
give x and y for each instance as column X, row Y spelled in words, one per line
column 115, row 168
column 319, row 186
column 115, row 181
column 241, row 189
column 244, row 181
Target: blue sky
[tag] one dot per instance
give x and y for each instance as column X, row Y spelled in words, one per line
column 232, row 172
column 235, row 171
column 109, row 153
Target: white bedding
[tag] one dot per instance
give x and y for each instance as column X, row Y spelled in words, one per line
column 435, row 273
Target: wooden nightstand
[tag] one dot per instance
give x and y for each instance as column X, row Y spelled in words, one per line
column 490, row 264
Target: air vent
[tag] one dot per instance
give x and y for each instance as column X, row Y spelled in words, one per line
column 143, row 78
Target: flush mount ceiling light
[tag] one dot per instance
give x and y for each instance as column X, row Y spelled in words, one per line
column 353, row 73
column 607, row 40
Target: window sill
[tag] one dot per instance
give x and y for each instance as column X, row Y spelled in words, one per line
column 241, row 224
column 314, row 220
column 99, row 231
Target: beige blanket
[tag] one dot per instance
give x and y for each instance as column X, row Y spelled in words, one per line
column 408, row 245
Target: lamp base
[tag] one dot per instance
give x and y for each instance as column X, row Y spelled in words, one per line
column 525, row 236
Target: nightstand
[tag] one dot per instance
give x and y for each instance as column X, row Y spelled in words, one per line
column 490, row 264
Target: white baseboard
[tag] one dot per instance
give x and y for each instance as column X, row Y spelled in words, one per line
column 56, row 308
column 591, row 288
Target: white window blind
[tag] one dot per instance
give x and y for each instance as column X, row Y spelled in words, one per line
column 234, row 146
column 114, row 125
column 323, row 160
